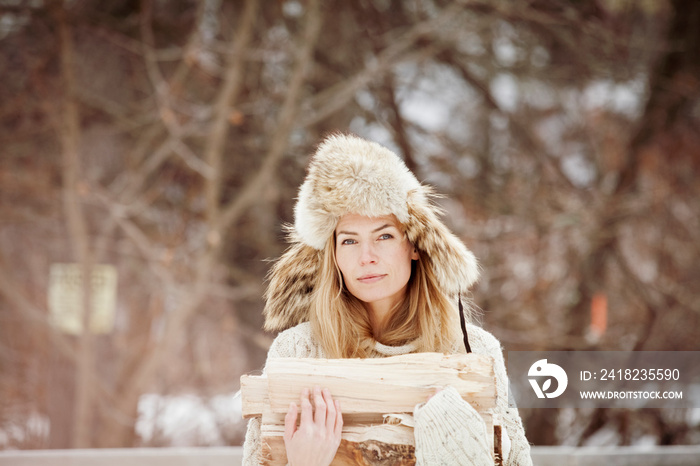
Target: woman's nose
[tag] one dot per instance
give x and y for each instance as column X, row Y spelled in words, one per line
column 368, row 254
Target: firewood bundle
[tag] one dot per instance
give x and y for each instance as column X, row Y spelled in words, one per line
column 377, row 397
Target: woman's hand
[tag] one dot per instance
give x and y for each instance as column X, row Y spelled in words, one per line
column 317, row 438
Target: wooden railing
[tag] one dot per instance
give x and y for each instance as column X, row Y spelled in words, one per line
column 232, row 456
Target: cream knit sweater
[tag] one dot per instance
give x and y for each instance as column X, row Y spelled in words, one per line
column 448, row 431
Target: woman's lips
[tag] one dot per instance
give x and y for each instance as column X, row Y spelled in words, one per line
column 372, row 278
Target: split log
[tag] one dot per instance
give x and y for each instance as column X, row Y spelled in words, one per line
column 375, row 394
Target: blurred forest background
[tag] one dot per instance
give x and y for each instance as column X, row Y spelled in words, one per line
column 158, row 145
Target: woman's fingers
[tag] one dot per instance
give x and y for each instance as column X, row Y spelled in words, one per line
column 290, row 422
column 324, row 414
column 316, row 439
column 330, row 411
column 320, row 408
column 306, row 408
column 338, row 427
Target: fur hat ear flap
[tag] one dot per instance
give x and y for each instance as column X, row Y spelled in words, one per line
column 455, row 267
column 291, row 283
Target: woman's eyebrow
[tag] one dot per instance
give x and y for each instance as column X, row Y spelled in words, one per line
column 387, row 225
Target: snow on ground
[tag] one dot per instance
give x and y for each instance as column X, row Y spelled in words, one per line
column 188, row 420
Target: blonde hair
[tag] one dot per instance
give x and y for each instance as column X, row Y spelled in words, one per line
column 340, row 322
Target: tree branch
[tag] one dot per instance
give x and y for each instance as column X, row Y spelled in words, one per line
column 402, row 48
column 214, row 148
column 286, row 122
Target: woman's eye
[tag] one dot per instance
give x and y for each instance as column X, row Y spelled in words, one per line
column 348, row 241
column 386, row 236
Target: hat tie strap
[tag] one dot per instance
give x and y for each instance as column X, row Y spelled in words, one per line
column 463, row 324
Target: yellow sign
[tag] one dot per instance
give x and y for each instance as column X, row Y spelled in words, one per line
column 66, row 297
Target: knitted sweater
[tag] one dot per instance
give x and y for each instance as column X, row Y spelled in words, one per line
column 448, row 431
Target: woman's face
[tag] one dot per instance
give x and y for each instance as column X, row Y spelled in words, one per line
column 374, row 257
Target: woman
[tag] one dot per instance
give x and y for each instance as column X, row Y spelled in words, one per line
column 372, row 272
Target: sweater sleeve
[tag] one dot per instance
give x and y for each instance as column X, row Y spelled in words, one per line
column 519, row 454
column 293, row 343
column 449, row 432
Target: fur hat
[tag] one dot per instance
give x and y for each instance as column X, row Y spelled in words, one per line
column 351, row 175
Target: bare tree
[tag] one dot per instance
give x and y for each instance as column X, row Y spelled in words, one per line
column 168, row 139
